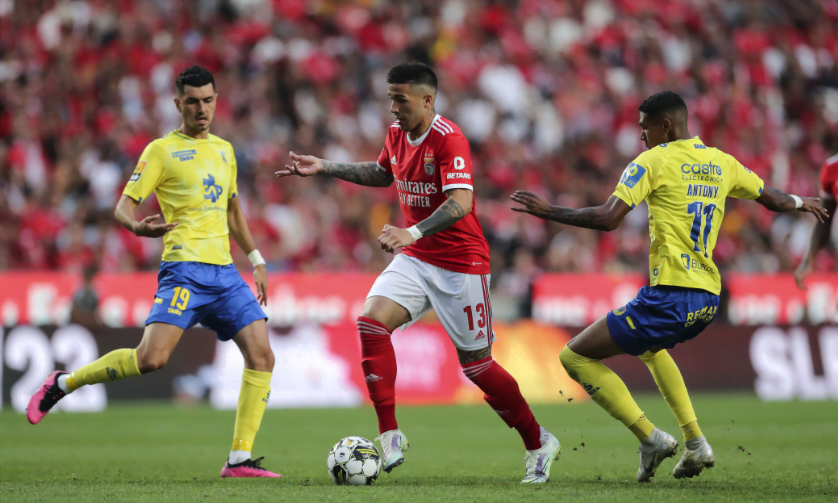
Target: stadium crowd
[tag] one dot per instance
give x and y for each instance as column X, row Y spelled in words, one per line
column 546, row 91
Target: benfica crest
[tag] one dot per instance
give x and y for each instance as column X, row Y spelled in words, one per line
column 429, row 163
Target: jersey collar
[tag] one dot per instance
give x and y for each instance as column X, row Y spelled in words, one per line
column 419, row 140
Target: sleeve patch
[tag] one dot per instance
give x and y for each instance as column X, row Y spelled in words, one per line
column 138, row 171
column 632, row 174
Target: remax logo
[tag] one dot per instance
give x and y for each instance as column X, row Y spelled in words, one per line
column 211, row 190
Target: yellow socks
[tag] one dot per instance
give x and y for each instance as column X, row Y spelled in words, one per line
column 253, row 398
column 674, row 391
column 114, row 366
column 608, row 390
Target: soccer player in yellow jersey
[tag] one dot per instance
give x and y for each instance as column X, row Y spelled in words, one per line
column 685, row 184
column 193, row 174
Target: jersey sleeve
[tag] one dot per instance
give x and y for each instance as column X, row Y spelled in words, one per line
column 636, row 182
column 147, row 175
column 745, row 184
column 829, row 178
column 234, row 173
column 384, row 157
column 455, row 163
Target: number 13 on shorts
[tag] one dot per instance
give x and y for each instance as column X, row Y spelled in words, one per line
column 481, row 312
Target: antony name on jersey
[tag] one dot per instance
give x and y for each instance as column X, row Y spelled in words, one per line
column 685, row 184
column 193, row 180
column 424, row 169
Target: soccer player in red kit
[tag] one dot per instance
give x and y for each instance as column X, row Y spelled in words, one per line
column 444, row 264
column 823, row 230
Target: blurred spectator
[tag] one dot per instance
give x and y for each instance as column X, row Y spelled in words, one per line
column 85, row 308
column 546, row 90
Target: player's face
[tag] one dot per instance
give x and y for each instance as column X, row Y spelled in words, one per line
column 654, row 132
column 197, row 106
column 409, row 104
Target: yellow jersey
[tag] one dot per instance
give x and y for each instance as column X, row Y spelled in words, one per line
column 193, row 180
column 685, row 184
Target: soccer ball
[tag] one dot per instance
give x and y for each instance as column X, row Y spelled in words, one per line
column 354, row 461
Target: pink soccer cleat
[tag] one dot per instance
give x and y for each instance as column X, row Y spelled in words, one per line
column 45, row 398
column 247, row 468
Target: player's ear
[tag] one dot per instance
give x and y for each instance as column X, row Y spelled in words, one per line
column 177, row 103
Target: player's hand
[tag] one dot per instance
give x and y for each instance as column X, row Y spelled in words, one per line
column 392, row 238
column 801, row 272
column 301, row 165
column 813, row 205
column 533, row 203
column 147, row 228
column 260, row 277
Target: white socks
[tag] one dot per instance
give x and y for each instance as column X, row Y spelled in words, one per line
column 237, row 457
column 62, row 382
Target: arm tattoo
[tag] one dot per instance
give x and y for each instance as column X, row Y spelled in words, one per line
column 473, row 356
column 442, row 218
column 589, row 218
column 775, row 199
column 361, row 173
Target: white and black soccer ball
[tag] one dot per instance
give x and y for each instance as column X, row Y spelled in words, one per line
column 354, row 461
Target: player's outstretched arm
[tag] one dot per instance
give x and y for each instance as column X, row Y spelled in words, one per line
column 237, row 224
column 361, row 173
column 146, row 227
column 603, row 218
column 820, row 237
column 777, row 200
column 459, row 204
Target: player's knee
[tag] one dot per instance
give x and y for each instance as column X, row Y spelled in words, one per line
column 263, row 360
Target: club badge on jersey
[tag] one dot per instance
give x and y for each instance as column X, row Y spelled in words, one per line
column 429, row 163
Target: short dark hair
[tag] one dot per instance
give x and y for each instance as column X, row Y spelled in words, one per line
column 664, row 103
column 195, row 76
column 413, row 73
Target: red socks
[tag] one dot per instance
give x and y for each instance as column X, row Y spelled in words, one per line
column 500, row 389
column 501, row 392
column 379, row 363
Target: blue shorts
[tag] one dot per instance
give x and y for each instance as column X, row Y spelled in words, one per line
column 215, row 296
column 661, row 316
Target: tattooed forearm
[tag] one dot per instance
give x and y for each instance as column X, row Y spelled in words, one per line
column 589, row 218
column 444, row 217
column 361, row 173
column 775, row 199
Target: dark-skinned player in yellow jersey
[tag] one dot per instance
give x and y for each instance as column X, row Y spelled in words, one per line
column 685, row 184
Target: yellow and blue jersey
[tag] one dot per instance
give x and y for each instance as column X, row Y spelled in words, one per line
column 193, row 179
column 685, row 184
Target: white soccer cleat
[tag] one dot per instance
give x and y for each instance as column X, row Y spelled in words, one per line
column 540, row 460
column 697, row 456
column 659, row 446
column 393, row 446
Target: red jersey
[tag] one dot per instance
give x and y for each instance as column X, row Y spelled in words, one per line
column 423, row 170
column 829, row 176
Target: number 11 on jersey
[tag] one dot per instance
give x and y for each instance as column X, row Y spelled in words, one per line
column 695, row 207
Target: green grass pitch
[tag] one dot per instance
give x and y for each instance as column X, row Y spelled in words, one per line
column 160, row 452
